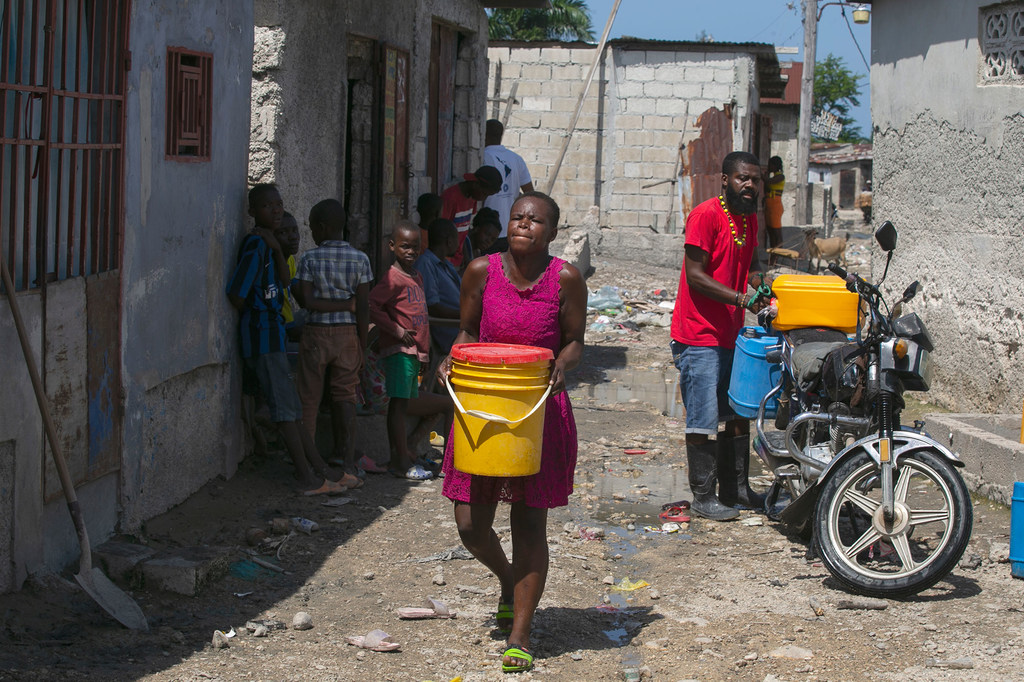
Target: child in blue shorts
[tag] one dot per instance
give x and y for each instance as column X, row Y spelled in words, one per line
column 398, row 307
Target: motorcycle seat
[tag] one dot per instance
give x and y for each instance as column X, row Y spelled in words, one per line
column 807, row 359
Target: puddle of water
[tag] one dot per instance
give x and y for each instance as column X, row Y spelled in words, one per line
column 617, row 635
column 658, row 389
column 665, row 483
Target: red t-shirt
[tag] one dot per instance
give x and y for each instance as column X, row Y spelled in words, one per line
column 698, row 320
column 398, row 305
column 460, row 209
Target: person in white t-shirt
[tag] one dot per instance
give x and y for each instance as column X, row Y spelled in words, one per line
column 515, row 178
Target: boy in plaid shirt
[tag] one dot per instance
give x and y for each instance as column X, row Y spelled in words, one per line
column 333, row 284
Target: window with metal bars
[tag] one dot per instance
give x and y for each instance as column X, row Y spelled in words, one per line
column 62, row 74
column 189, row 104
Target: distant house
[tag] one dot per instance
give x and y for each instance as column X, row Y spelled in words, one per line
column 947, row 103
column 122, row 191
column 655, row 125
column 844, row 168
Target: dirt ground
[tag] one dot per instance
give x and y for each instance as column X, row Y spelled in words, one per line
column 723, row 601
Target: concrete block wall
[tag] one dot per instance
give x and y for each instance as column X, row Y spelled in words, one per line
column 624, row 153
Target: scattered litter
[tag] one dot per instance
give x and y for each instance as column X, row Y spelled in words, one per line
column 242, row 595
column 251, row 571
column 608, row 608
column 264, row 563
column 255, row 536
column 816, row 607
column 432, row 608
column 374, row 640
column 865, row 604
column 627, row 585
column 254, row 626
column 280, row 525
column 752, row 521
column 605, row 298
column 304, row 525
column 591, row 533
column 634, row 451
column 670, row 527
column 953, row 664
column 450, row 554
column 336, row 501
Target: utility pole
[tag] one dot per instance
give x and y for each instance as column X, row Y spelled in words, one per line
column 803, row 135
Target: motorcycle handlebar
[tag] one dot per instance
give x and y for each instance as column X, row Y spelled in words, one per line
column 839, row 270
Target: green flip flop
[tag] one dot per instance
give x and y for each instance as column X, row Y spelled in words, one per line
column 517, row 654
column 504, row 617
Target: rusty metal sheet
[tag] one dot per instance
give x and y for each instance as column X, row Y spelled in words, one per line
column 702, row 157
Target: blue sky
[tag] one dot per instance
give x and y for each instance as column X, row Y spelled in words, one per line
column 763, row 21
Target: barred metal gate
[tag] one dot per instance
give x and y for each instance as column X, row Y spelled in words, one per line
column 62, row 85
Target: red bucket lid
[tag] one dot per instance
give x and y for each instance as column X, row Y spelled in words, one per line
column 499, row 353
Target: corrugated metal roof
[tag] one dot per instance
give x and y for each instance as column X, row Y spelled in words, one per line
column 831, row 154
column 794, row 71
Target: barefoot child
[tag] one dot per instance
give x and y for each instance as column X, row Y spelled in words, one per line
column 256, row 290
column 398, row 307
column 329, row 279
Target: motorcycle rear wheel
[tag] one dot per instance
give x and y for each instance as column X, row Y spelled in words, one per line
column 869, row 556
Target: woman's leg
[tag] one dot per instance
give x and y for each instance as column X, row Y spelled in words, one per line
column 529, row 568
column 475, row 523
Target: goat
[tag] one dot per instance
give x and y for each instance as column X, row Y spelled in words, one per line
column 833, row 248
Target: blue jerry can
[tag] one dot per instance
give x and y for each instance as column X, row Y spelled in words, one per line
column 752, row 375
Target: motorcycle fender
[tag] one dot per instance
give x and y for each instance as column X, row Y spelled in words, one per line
column 904, row 443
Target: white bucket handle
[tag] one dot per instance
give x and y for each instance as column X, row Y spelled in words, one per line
column 493, row 417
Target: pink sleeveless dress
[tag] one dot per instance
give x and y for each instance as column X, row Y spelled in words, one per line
column 528, row 318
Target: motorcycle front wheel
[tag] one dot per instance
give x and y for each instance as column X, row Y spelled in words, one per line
column 921, row 545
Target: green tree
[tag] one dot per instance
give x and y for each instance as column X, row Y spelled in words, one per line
column 836, row 89
column 566, row 20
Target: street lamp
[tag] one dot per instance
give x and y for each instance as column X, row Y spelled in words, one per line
column 812, row 13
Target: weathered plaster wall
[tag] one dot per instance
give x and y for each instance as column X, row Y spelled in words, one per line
column 948, row 173
column 182, row 222
column 784, row 124
column 641, row 106
column 300, row 91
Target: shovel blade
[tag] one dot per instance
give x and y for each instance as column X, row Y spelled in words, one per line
column 112, row 599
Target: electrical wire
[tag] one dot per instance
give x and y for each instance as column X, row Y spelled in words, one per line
column 850, row 29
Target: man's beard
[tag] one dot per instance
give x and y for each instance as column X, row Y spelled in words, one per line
column 741, row 204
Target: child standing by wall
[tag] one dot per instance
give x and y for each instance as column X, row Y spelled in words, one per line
column 256, row 290
column 329, row 279
column 398, row 307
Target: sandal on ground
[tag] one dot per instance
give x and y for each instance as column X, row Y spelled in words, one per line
column 503, row 617
column 432, row 608
column 517, row 654
column 370, row 466
column 328, row 488
column 682, row 504
column 350, row 481
column 413, row 473
column 674, row 514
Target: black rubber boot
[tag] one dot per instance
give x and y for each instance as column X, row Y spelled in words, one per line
column 734, row 473
column 701, row 463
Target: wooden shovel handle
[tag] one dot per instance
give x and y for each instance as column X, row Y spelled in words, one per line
column 44, row 410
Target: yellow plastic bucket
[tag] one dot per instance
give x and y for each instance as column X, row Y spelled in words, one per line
column 499, row 392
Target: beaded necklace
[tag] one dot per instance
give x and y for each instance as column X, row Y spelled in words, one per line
column 732, row 225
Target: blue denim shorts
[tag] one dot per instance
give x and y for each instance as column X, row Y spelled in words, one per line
column 278, row 386
column 704, row 373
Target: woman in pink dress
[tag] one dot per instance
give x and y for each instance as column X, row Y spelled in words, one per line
column 522, row 296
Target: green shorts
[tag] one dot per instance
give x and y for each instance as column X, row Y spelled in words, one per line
column 402, row 375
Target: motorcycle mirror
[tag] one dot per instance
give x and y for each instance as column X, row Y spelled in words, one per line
column 886, row 235
column 911, row 291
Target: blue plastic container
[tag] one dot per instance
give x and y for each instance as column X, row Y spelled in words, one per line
column 1017, row 531
column 752, row 375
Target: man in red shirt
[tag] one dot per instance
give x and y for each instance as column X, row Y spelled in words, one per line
column 459, row 203
column 721, row 253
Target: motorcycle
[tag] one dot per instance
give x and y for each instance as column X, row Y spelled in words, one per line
column 883, row 503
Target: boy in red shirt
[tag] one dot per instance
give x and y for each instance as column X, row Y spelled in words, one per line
column 461, row 202
column 398, row 307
